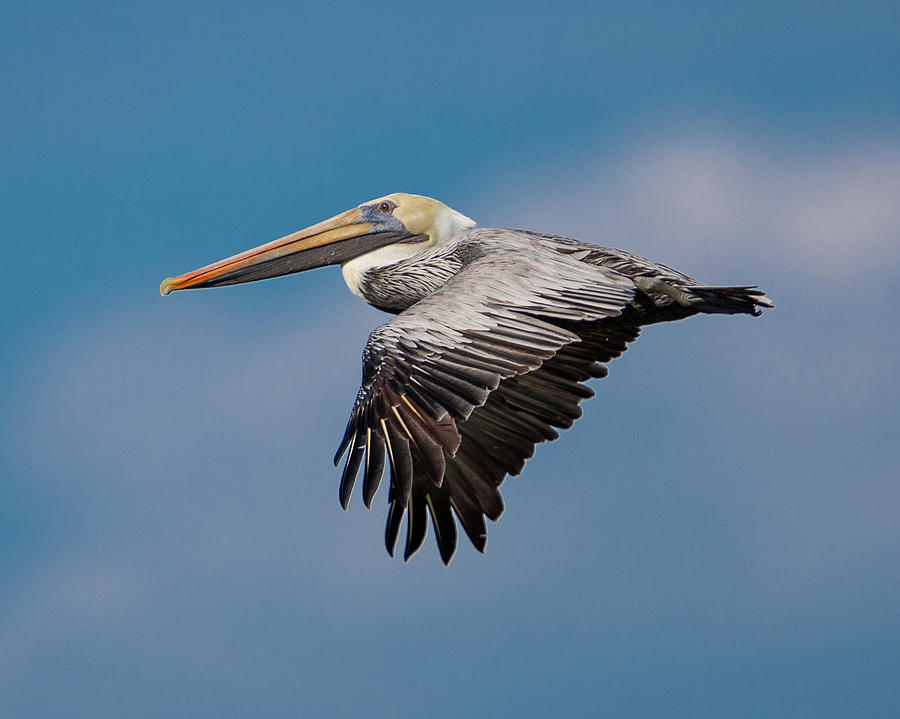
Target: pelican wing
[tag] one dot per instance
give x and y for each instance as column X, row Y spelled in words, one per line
column 459, row 388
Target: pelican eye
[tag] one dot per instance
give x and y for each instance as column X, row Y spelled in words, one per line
column 386, row 207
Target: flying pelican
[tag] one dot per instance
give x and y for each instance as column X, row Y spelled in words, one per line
column 495, row 334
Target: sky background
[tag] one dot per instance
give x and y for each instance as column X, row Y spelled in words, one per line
column 717, row 537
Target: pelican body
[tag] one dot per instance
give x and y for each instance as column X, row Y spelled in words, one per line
column 494, row 336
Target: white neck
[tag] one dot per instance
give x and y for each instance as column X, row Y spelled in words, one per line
column 449, row 223
column 381, row 257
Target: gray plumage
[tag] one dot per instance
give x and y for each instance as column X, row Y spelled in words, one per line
column 496, row 334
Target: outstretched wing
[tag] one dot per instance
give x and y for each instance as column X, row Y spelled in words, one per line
column 459, row 388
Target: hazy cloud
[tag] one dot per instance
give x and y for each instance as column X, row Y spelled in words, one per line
column 723, row 202
column 182, row 448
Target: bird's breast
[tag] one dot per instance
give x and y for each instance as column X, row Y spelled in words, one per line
column 398, row 286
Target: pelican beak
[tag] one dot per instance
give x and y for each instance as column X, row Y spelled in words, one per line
column 331, row 242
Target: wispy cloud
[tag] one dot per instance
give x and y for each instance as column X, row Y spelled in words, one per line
column 723, row 202
column 184, row 447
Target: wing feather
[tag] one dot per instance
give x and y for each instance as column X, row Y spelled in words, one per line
column 374, row 467
column 416, row 524
column 351, row 468
column 458, row 389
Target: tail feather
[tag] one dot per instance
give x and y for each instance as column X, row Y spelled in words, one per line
column 729, row 300
column 705, row 298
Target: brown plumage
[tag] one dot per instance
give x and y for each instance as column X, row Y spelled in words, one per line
column 495, row 335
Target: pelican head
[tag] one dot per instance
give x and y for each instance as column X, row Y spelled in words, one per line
column 378, row 232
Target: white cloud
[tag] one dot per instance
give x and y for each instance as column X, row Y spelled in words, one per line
column 721, row 203
column 190, row 444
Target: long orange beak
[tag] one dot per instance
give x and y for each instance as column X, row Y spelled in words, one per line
column 330, row 242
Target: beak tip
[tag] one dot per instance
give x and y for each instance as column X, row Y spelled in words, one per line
column 165, row 288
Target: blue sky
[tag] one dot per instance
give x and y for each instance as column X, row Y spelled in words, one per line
column 716, row 537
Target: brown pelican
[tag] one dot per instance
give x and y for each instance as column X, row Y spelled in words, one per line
column 495, row 334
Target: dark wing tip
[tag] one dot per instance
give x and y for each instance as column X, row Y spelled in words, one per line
column 392, row 530
column 444, row 525
column 349, row 433
column 351, row 469
column 374, row 467
column 416, row 525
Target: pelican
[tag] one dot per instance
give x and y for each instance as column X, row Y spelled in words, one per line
column 494, row 336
